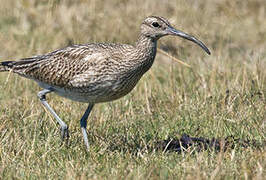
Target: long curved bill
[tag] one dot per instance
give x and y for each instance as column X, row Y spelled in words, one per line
column 173, row 31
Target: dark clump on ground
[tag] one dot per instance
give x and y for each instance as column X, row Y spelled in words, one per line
column 199, row 143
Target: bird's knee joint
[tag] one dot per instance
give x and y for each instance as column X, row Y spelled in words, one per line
column 41, row 96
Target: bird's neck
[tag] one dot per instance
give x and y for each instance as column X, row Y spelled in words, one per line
column 146, row 51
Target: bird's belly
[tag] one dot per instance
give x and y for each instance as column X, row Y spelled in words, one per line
column 96, row 93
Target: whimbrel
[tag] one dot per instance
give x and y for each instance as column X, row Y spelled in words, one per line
column 96, row 72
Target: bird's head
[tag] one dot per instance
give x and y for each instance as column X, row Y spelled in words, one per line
column 156, row 27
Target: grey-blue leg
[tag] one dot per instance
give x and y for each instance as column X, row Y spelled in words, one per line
column 83, row 124
column 64, row 128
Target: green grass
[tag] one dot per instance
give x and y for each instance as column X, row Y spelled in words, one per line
column 221, row 95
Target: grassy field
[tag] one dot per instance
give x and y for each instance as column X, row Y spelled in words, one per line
column 219, row 96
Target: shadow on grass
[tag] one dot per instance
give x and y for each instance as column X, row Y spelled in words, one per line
column 199, row 144
column 185, row 144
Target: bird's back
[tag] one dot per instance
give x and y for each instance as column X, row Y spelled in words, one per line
column 59, row 67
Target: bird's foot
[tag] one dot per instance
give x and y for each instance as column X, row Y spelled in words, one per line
column 64, row 134
column 85, row 137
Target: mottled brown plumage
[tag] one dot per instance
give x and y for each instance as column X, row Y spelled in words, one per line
column 97, row 72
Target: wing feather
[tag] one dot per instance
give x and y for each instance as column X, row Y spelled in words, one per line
column 62, row 66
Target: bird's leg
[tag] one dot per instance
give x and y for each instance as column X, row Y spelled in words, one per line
column 83, row 124
column 63, row 126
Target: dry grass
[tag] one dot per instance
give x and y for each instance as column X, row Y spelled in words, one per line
column 220, row 95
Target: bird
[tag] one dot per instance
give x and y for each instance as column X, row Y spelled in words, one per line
column 95, row 72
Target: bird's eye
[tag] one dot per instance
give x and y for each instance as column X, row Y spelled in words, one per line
column 155, row 24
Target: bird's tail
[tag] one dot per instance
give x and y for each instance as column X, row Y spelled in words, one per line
column 6, row 65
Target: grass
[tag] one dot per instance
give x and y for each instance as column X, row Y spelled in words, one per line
column 221, row 95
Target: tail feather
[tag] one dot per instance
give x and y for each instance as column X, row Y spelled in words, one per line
column 6, row 65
